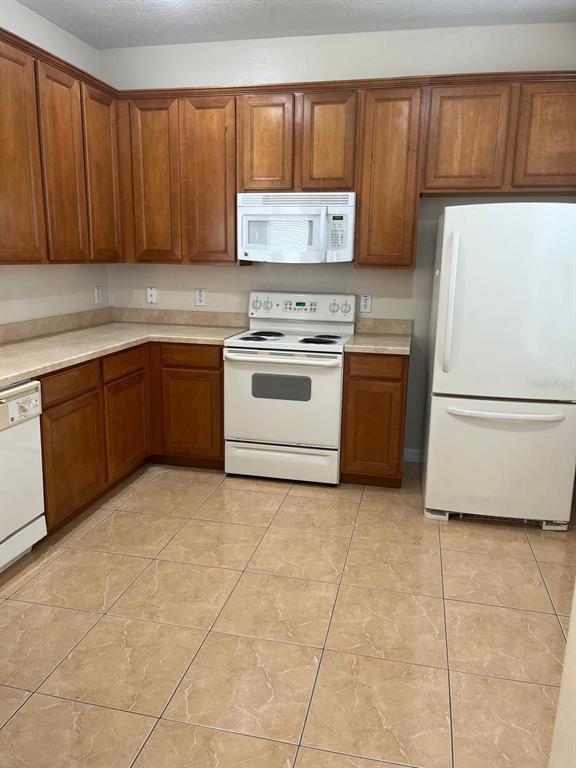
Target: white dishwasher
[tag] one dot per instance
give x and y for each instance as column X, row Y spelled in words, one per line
column 22, row 521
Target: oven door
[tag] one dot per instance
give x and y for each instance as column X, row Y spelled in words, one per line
column 285, row 398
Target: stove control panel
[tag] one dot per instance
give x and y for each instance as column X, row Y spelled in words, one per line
column 310, row 306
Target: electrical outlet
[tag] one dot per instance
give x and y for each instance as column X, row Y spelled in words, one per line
column 97, row 294
column 151, row 295
column 366, row 302
column 200, row 297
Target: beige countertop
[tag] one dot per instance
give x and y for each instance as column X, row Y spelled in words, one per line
column 380, row 343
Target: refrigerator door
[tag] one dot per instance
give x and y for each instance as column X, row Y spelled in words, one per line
column 506, row 302
column 501, row 458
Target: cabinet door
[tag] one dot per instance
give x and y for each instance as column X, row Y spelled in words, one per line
column 266, row 140
column 22, row 222
column 373, row 427
column 389, row 188
column 467, row 137
column 546, row 141
column 100, row 142
column 126, row 410
column 73, row 455
column 63, row 165
column 156, row 174
column 208, row 155
column 193, row 417
column 328, row 138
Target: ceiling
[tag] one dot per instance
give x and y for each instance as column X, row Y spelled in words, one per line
column 126, row 23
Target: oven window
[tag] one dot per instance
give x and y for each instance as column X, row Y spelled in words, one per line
column 272, row 386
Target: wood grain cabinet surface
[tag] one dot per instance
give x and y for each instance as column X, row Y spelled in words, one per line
column 467, row 137
column 389, row 190
column 63, row 165
column 126, row 409
column 22, row 220
column 266, row 141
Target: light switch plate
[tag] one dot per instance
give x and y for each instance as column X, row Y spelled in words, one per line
column 366, row 302
column 97, row 294
column 200, row 297
column 151, row 295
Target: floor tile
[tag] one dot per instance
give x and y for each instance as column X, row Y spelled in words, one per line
column 501, row 724
column 247, row 507
column 255, row 687
column 554, row 546
column 45, row 729
column 10, row 700
column 502, row 642
column 242, row 483
column 391, row 524
column 276, row 608
column 303, row 556
column 27, row 567
column 313, row 758
column 188, row 477
column 175, row 745
column 485, row 538
column 35, row 638
column 221, row 544
column 397, row 565
column 81, row 524
column 126, row 664
column 90, row 581
column 380, row 709
column 565, row 622
column 333, row 516
column 162, row 497
column 177, row 593
column 392, row 499
column 389, row 625
column 512, row 582
column 344, row 491
column 560, row 581
column 128, row 533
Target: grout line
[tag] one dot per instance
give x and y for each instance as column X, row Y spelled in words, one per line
column 450, row 715
column 564, row 633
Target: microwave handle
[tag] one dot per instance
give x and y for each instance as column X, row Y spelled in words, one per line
column 323, row 230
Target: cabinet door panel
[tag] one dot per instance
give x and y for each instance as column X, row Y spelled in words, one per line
column 63, row 165
column 156, row 173
column 267, row 141
column 100, row 142
column 73, row 455
column 546, row 142
column 467, row 137
column 208, row 152
column 389, row 188
column 328, row 140
column 126, row 409
column 22, row 221
column 373, row 428
column 193, row 418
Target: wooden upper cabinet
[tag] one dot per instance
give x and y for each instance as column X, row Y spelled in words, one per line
column 328, row 140
column 22, row 222
column 467, row 137
column 389, row 191
column 546, row 141
column 100, row 142
column 266, row 141
column 63, row 165
column 208, row 156
column 156, row 179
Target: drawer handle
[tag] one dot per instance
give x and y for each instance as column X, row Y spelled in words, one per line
column 495, row 416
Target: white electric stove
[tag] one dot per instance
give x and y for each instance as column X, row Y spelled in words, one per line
column 283, row 386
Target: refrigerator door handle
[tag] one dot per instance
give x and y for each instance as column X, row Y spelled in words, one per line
column 496, row 416
column 449, row 337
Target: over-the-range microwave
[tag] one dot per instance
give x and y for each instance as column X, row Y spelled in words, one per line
column 296, row 227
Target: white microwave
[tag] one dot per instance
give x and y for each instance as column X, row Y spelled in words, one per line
column 296, row 227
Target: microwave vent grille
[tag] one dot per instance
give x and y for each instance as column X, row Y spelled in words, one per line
column 297, row 199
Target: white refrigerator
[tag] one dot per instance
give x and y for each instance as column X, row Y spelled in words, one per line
column 501, row 427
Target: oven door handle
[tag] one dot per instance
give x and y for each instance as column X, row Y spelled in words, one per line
column 332, row 363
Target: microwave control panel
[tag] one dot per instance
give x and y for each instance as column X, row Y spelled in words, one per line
column 312, row 306
column 337, row 231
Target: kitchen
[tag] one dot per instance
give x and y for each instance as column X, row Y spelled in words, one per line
column 186, row 458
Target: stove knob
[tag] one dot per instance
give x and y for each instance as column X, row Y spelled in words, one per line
column 334, row 307
column 346, row 307
column 268, row 305
column 256, row 304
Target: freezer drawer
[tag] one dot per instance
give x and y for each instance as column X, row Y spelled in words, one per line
column 501, row 458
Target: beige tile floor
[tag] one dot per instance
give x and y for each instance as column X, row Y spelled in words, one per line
column 189, row 620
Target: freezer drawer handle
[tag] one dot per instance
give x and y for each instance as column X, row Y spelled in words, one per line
column 448, row 340
column 495, row 416
column 332, row 363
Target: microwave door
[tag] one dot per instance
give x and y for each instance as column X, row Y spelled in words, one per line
column 283, row 235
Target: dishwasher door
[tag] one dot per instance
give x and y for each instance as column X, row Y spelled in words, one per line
column 22, row 521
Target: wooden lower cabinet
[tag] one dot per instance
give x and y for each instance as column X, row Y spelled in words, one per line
column 373, row 418
column 74, row 455
column 126, row 407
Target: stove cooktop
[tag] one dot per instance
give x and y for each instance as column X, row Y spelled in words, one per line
column 262, row 339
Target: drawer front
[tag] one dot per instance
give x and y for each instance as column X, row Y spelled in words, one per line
column 364, row 366
column 70, row 383
column 124, row 363
column 191, row 356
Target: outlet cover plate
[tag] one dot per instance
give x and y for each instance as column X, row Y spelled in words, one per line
column 151, row 295
column 200, row 297
column 366, row 302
